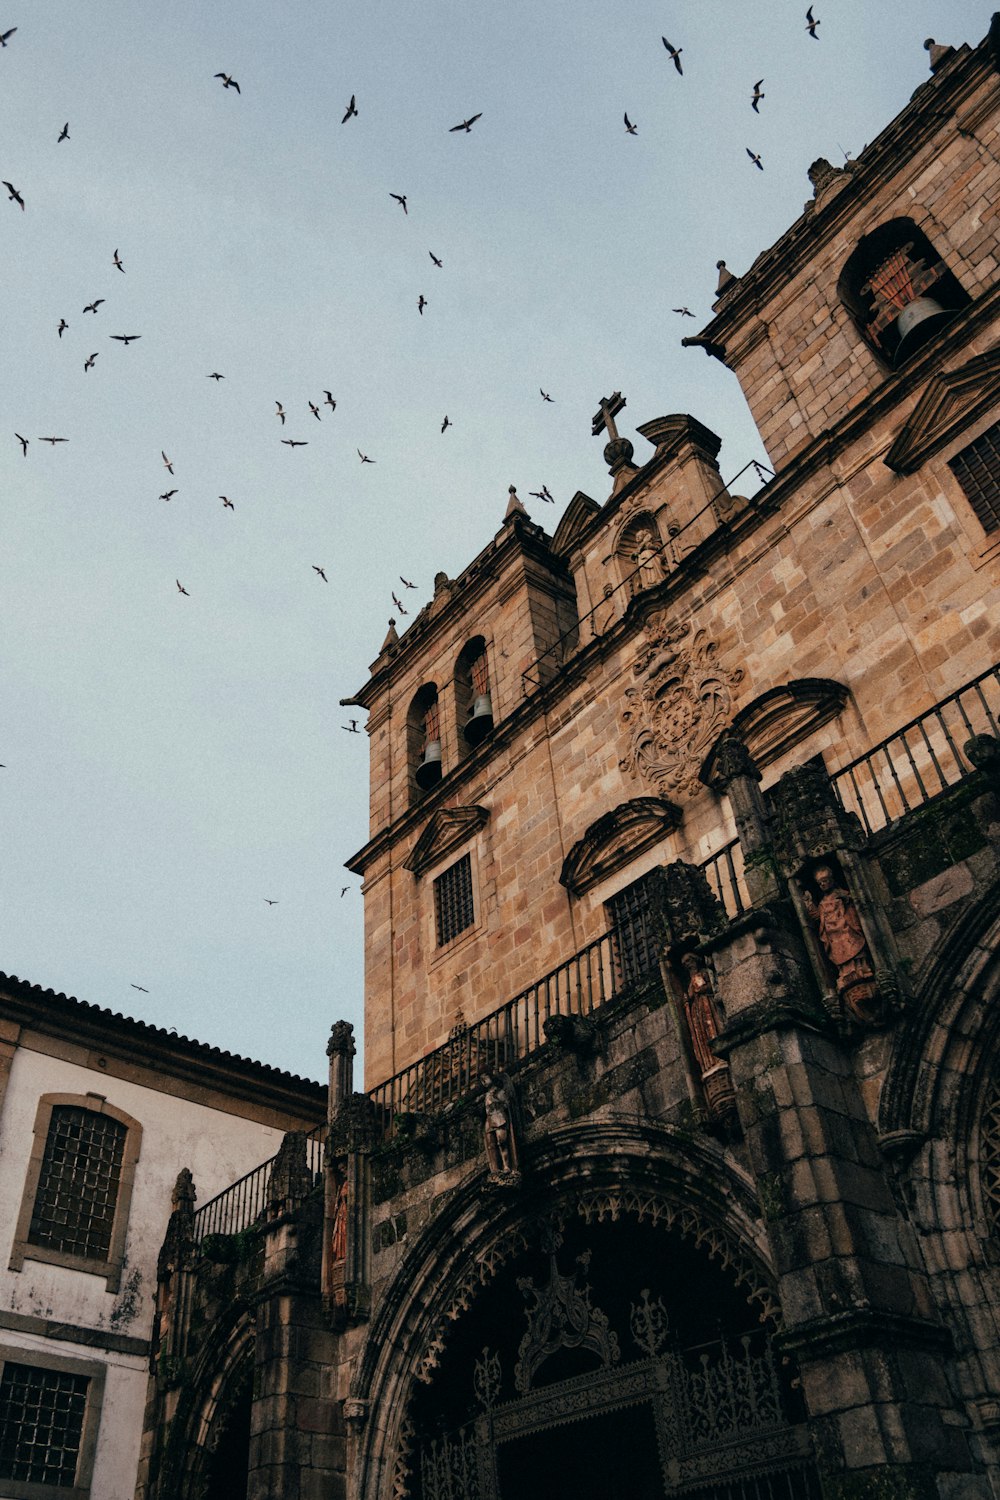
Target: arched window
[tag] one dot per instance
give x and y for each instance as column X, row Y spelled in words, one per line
column 473, row 698
column 898, row 291
column 423, row 741
column 642, row 561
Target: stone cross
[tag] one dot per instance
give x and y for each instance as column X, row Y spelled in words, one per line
column 604, row 419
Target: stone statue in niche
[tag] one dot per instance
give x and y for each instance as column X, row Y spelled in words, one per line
column 338, row 1231
column 648, row 559
column 500, row 1128
column 842, row 936
column 701, row 1015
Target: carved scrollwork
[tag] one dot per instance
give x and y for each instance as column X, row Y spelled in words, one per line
column 649, row 1323
column 561, row 1318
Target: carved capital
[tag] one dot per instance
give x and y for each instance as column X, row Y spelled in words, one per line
column 341, row 1041
column 728, row 760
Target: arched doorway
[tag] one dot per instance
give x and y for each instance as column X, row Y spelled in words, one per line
column 227, row 1467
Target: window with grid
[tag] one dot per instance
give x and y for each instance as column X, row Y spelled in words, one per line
column 631, row 913
column 989, row 1155
column 41, row 1424
column 977, row 469
column 74, row 1207
column 453, row 900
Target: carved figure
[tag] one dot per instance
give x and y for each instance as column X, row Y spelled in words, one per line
column 338, row 1233
column 648, row 559
column 500, row 1127
column 700, row 1012
column 840, row 932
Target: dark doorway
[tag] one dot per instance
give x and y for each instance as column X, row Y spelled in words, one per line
column 229, row 1465
column 612, row 1456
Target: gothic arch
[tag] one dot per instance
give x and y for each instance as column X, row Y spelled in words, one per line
column 597, row 1172
column 211, row 1392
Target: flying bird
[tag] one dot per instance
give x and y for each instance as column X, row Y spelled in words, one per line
column 755, row 159
column 215, row 376
column 757, row 96
column 23, row 442
column 62, row 325
column 227, row 502
column 180, row 587
column 397, row 602
column 352, row 727
column 118, row 263
column 329, row 401
column 401, row 199
column 421, row 304
column 446, row 423
column 315, row 410
column 685, row 312
column 343, row 891
column 295, row 442
column 168, row 495
column 125, row 338
column 542, row 494
column 63, row 134
column 321, row 573
column 5, row 36
column 544, row 394
column 167, row 463
column 53, row 440
column 438, row 263
column 227, row 82
column 352, row 109
column 466, row 125
column 280, row 412
column 632, row 129
column 141, row 988
column 88, row 364
column 406, row 582
column 811, row 24
column 675, row 54
column 12, row 192
column 93, row 306
column 364, row 457
column 269, row 902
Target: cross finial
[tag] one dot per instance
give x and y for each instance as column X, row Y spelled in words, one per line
column 604, row 418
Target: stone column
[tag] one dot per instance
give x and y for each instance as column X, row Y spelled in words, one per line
column 731, row 770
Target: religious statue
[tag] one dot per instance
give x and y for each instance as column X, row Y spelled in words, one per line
column 500, row 1127
column 648, row 559
column 841, row 934
column 338, row 1232
column 703, row 1026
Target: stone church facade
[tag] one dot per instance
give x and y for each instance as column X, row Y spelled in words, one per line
column 677, row 1165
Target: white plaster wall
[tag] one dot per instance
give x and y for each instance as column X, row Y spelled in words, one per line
column 176, row 1133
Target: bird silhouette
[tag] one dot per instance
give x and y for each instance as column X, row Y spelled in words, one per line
column 352, row 109
column 168, row 495
column 755, row 159
column 93, row 306
column 180, row 587
column 280, row 412
column 438, row 263
column 406, row 582
column 23, row 442
column 466, row 125
column 685, row 312
column 88, row 364
column 352, row 727
column 321, row 572
column 5, row 36
column 398, row 603
column 544, row 394
column 227, row 503
column 141, row 988
column 364, row 458
column 167, row 463
column 125, row 338
column 811, row 24
column 343, row 891
column 542, row 494
column 421, row 304
column 400, row 199
column 118, row 263
column 632, row 129
column 315, row 410
column 12, row 192
column 446, row 423
column 329, row 401
column 227, row 82
column 62, row 326
column 63, row 134
column 269, row 902
column 53, row 440
column 675, row 54
column 295, row 442
column 215, row 376
column 757, row 96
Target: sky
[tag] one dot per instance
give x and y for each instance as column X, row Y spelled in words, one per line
column 173, row 762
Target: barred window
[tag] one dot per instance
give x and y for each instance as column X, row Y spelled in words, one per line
column 631, row 915
column 453, row 900
column 977, row 469
column 41, row 1424
column 74, row 1208
column 989, row 1156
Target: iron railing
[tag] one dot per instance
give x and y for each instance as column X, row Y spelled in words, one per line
column 244, row 1202
column 724, row 873
column 923, row 758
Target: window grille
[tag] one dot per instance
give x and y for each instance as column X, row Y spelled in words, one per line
column 41, row 1424
column 631, row 916
column 989, row 1156
column 977, row 469
column 453, row 900
column 74, row 1208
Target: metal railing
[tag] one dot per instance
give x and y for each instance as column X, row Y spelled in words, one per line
column 923, row 758
column 724, row 873
column 245, row 1202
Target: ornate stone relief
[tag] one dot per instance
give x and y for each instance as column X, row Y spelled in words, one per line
column 680, row 700
column 561, row 1317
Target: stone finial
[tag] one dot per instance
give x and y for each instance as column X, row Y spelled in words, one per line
column 983, row 752
column 939, row 53
column 290, row 1178
column 391, row 638
column 728, row 759
column 691, row 909
column 182, row 1199
column 808, row 819
column 726, row 276
column 442, row 583
column 341, row 1041
column 821, row 171
column 514, row 506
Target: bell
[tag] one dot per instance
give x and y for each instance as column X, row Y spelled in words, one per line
column 429, row 770
column 918, row 322
column 480, row 721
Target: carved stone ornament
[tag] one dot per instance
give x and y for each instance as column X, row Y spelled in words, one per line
column 561, row 1317
column 500, row 1130
column 691, row 908
column 341, row 1042
column 807, row 819
column 615, row 839
column 842, row 936
column 680, row 700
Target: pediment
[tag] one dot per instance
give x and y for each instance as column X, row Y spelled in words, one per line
column 779, row 719
column 951, row 400
column 449, row 827
column 617, row 838
column 575, row 519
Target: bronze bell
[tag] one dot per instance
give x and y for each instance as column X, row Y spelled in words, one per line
column 428, row 772
column 480, row 721
column 918, row 322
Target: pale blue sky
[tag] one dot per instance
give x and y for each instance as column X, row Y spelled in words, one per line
column 171, row 761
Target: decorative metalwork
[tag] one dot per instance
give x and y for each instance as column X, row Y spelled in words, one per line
column 989, row 1155
column 449, row 1467
column 649, row 1323
column 561, row 1318
column 486, row 1379
column 731, row 1394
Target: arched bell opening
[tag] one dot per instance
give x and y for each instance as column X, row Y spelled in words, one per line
column 423, row 741
column 473, row 694
column 899, row 291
